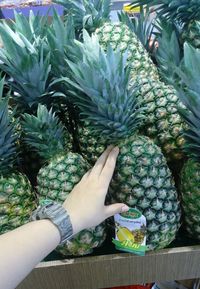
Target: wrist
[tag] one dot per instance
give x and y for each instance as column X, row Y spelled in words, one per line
column 74, row 217
column 58, row 215
column 49, row 229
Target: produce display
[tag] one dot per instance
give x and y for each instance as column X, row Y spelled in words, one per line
column 71, row 86
column 142, row 178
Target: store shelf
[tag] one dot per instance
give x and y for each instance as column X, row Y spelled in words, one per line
column 115, row 270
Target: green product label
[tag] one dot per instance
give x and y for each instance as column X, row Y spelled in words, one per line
column 132, row 214
column 130, row 232
column 130, row 246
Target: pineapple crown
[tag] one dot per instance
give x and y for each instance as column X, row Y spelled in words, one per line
column 44, row 133
column 189, row 91
column 170, row 51
column 87, row 14
column 142, row 26
column 26, row 63
column 182, row 11
column 100, row 88
column 8, row 138
column 32, row 27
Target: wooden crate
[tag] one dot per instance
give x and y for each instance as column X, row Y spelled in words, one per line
column 116, row 269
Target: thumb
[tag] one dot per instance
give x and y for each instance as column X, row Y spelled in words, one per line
column 115, row 209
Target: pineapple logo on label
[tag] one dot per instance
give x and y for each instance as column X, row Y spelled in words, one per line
column 130, row 232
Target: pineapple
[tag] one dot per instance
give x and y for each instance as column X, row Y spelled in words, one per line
column 63, row 170
column 120, row 36
column 163, row 122
column 110, row 107
column 185, row 13
column 189, row 92
column 17, row 200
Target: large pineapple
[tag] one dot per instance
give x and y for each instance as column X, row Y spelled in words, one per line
column 63, row 170
column 109, row 105
column 17, row 200
column 185, row 13
column 162, row 124
column 119, row 36
column 190, row 177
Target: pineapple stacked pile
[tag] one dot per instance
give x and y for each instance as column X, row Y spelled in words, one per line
column 78, row 85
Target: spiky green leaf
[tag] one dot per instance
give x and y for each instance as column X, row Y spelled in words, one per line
column 189, row 91
column 8, row 137
column 102, row 90
column 87, row 14
column 44, row 133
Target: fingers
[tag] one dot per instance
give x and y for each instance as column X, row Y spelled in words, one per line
column 101, row 161
column 109, row 167
column 86, row 175
column 115, row 209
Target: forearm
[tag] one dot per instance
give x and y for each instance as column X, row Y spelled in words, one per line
column 22, row 249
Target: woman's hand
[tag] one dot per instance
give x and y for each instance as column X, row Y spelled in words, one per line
column 21, row 251
column 85, row 204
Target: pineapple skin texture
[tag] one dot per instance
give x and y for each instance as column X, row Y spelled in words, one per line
column 55, row 182
column 17, row 202
column 91, row 147
column 120, row 37
column 190, row 189
column 143, row 181
column 163, row 123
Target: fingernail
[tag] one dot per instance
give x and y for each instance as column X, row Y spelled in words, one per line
column 124, row 209
column 116, row 149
